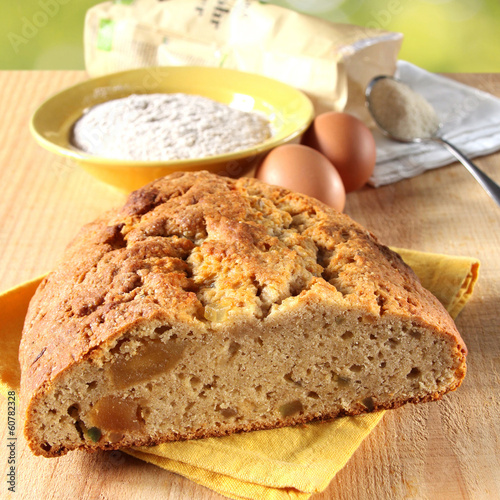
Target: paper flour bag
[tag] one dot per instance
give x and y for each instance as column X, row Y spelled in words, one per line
column 331, row 63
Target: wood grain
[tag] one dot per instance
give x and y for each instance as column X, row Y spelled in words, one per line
column 445, row 450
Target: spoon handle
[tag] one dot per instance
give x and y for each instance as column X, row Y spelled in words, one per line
column 488, row 184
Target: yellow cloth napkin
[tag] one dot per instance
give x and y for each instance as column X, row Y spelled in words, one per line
column 279, row 464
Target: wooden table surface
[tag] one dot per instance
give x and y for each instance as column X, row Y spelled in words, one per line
column 444, row 450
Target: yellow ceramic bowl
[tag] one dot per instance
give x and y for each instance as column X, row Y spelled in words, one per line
column 289, row 111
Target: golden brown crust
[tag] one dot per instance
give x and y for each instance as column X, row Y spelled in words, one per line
column 134, row 265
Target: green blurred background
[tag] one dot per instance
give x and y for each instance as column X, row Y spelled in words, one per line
column 440, row 35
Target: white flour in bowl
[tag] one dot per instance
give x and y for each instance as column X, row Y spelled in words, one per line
column 167, row 127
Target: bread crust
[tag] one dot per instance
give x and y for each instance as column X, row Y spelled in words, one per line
column 132, row 267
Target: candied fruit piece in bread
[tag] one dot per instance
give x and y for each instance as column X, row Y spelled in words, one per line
column 208, row 306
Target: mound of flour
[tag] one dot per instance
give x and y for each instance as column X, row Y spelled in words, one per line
column 167, row 127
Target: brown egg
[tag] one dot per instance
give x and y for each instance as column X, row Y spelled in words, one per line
column 304, row 170
column 348, row 143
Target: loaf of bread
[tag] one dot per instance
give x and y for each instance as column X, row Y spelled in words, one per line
column 208, row 306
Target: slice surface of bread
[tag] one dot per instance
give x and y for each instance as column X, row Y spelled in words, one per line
column 207, row 306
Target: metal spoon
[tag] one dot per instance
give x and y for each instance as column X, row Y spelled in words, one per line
column 488, row 184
